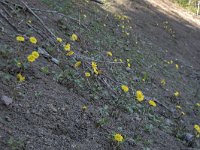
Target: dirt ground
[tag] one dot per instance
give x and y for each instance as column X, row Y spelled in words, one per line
column 47, row 115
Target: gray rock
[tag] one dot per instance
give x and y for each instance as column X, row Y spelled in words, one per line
column 6, row 100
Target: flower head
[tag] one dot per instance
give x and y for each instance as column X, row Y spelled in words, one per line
column 176, row 94
column 163, row 82
column 67, row 47
column 125, row 88
column 94, row 67
column 33, row 40
column 87, row 74
column 59, row 40
column 177, row 66
column 20, row 38
column 139, row 96
column 178, row 107
column 77, row 64
column 31, row 58
column 35, row 54
column 74, row 37
column 152, row 103
column 197, row 128
column 84, row 107
column 94, row 64
column 198, row 104
column 118, row 137
column 129, row 65
column 109, row 54
column 70, row 53
column 20, row 77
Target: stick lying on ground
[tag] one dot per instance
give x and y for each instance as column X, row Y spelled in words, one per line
column 98, row 1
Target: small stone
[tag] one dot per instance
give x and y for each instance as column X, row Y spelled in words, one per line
column 52, row 108
column 6, row 100
column 169, row 122
column 8, row 119
column 188, row 137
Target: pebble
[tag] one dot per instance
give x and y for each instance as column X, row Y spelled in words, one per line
column 6, row 100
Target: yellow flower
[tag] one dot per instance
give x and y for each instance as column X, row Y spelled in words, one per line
column 176, row 94
column 115, row 60
column 182, row 113
column 178, row 106
column 20, row 38
column 29, row 21
column 84, row 107
column 118, row 137
column 19, row 64
column 198, row 104
column 95, row 71
column 31, row 58
column 74, row 37
column 67, row 47
column 33, row 40
column 120, row 60
column 197, row 128
column 59, row 40
column 152, row 103
column 87, row 74
column 70, row 53
column 20, row 77
column 94, row 66
column 163, row 82
column 77, row 64
column 125, row 88
column 171, row 61
column 35, row 54
column 109, row 54
column 177, row 66
column 128, row 60
column 139, row 96
column 129, row 65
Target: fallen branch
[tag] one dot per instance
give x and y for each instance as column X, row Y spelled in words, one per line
column 40, row 20
column 61, row 14
column 6, row 19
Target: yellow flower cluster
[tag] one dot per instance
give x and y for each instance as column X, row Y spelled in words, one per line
column 20, row 77
column 118, row 137
column 32, row 39
column 33, row 56
column 139, row 96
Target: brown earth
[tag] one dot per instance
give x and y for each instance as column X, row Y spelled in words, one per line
column 46, row 114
